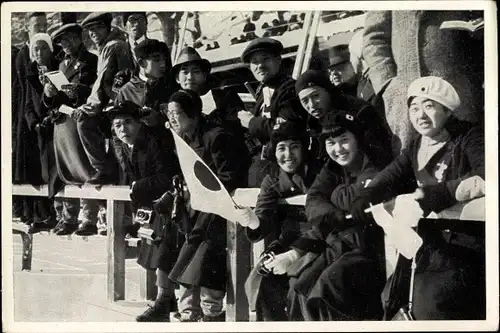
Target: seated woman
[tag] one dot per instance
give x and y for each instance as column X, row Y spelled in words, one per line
column 341, row 270
column 267, row 285
column 443, row 165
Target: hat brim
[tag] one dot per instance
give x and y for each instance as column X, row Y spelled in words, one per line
column 205, row 65
column 247, row 55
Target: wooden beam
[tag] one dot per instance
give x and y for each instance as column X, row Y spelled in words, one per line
column 107, row 192
column 27, row 239
column 239, row 258
column 116, row 251
column 148, row 289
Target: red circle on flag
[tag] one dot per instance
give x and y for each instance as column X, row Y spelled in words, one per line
column 206, row 177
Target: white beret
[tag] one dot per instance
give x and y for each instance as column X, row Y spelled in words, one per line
column 434, row 88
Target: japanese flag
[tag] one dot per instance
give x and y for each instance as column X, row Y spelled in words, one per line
column 207, row 193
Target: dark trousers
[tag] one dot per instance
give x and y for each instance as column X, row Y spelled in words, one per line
column 67, row 210
column 36, row 209
column 93, row 141
column 272, row 300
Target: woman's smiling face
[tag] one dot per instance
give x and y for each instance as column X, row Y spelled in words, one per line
column 342, row 149
column 289, row 155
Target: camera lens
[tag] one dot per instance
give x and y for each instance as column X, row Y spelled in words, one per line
column 141, row 215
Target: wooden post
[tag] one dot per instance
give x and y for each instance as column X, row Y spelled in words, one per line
column 148, row 288
column 239, row 254
column 116, row 251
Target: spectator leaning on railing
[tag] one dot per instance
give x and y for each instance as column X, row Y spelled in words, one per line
column 267, row 284
column 443, row 165
column 341, row 270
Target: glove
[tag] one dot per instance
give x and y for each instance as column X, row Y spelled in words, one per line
column 470, row 188
column 247, row 218
column 280, row 263
column 163, row 205
column 358, row 210
column 407, row 210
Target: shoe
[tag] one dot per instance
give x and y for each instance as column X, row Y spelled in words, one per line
column 37, row 227
column 66, row 229
column 103, row 232
column 99, row 178
column 155, row 313
column 219, row 318
column 86, row 229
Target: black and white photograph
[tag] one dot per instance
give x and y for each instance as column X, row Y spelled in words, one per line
column 266, row 166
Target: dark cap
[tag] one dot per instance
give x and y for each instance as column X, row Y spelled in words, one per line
column 126, row 15
column 97, row 17
column 70, row 28
column 125, row 108
column 289, row 130
column 312, row 78
column 189, row 101
column 338, row 122
column 36, row 14
column 149, row 46
column 189, row 55
column 338, row 54
column 262, row 44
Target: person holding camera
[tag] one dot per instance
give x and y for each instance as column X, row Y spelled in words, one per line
column 151, row 169
column 79, row 66
column 279, row 225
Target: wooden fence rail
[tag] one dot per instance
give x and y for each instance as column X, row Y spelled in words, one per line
column 239, row 248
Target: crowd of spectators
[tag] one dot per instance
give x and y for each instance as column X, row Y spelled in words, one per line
column 399, row 111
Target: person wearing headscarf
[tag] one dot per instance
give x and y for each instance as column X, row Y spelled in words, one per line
column 38, row 156
column 442, row 166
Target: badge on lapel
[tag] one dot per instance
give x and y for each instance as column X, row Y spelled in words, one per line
column 440, row 171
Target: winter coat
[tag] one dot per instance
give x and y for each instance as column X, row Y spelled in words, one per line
column 401, row 46
column 342, row 272
column 202, row 260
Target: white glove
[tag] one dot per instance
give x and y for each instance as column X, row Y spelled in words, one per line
column 407, row 210
column 280, row 263
column 470, row 188
column 247, row 218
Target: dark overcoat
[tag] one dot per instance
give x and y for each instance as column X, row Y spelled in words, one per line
column 450, row 276
column 280, row 225
column 152, row 167
column 73, row 166
column 342, row 273
column 202, row 260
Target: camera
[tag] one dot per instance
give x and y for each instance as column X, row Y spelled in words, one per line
column 145, row 218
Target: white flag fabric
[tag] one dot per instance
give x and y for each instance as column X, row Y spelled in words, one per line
column 399, row 233
column 208, row 102
column 207, row 193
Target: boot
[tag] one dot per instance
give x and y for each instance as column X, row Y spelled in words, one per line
column 159, row 312
column 86, row 229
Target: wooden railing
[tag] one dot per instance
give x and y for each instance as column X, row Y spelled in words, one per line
column 238, row 247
